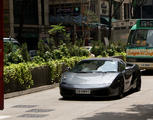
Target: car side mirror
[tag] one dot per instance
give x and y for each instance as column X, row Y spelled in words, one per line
column 127, row 68
column 67, row 69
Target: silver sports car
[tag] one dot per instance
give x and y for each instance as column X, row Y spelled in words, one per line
column 100, row 77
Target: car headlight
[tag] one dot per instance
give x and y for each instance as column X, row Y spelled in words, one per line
column 106, row 84
column 63, row 78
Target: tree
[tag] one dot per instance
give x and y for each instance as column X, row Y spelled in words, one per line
column 112, row 14
column 92, row 19
column 59, row 35
column 91, row 16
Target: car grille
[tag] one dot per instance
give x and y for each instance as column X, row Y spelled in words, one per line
column 67, row 91
column 94, row 92
column 101, row 92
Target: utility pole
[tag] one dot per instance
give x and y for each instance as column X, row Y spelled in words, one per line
column 82, row 22
column 1, row 57
column 110, row 19
column 20, row 30
column 99, row 27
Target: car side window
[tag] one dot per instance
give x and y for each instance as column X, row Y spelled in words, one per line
column 121, row 66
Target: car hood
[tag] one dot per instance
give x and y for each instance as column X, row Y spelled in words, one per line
column 88, row 78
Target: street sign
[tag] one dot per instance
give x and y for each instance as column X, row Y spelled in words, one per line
column 1, row 57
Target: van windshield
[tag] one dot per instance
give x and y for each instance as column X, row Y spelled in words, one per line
column 141, row 38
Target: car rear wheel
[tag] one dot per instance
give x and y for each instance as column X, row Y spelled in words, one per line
column 121, row 90
column 138, row 84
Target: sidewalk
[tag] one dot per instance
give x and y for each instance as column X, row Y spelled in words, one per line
column 29, row 91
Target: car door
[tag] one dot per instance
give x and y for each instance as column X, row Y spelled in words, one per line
column 127, row 74
column 128, row 77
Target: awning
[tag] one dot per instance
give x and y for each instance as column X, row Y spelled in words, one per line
column 68, row 19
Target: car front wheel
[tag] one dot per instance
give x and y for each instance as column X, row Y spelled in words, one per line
column 121, row 90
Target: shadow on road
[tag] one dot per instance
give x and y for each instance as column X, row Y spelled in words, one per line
column 88, row 99
column 147, row 73
column 96, row 99
column 136, row 112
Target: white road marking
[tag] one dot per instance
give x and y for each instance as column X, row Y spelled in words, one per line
column 4, row 117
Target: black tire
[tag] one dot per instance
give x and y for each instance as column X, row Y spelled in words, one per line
column 138, row 84
column 121, row 90
column 65, row 97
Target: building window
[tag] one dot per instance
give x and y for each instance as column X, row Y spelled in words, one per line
column 25, row 11
column 117, row 10
column 65, row 13
column 65, row 9
column 126, row 11
column 42, row 12
column 93, row 6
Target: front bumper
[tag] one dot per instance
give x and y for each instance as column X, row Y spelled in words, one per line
column 95, row 91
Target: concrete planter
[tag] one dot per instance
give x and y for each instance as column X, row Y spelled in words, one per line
column 41, row 75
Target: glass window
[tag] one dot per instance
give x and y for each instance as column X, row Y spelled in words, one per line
column 25, row 11
column 141, row 38
column 121, row 66
column 130, row 38
column 150, row 38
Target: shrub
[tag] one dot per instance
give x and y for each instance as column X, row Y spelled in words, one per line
column 64, row 49
column 57, row 54
column 17, row 77
column 77, row 51
column 24, row 52
column 58, row 67
column 59, row 35
column 13, row 57
column 99, row 50
column 110, row 50
column 42, row 48
column 48, row 56
column 38, row 59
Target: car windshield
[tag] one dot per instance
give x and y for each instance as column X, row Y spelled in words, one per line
column 87, row 66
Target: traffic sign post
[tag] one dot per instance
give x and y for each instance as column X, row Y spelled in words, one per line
column 1, row 57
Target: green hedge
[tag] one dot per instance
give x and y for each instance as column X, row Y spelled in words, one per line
column 18, row 76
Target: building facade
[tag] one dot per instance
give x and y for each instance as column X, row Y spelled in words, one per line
column 26, row 20
column 29, row 20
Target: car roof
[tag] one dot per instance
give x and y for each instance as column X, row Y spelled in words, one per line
column 105, row 58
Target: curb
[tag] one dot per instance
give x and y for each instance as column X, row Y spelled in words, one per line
column 29, row 91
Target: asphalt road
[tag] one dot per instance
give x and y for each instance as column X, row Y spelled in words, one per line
column 49, row 105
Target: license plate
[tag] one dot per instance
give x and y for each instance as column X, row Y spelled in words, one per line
column 81, row 91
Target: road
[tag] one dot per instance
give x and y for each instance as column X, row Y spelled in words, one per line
column 49, row 105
